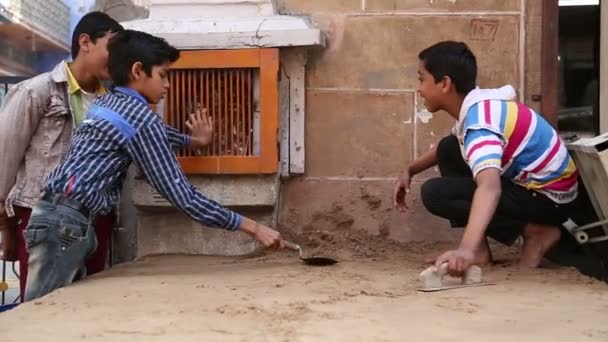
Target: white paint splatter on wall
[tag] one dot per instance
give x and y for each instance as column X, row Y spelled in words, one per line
column 424, row 116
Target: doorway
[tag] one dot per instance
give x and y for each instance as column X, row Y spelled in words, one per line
column 578, row 67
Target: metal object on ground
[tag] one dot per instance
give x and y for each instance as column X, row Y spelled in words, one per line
column 432, row 280
column 591, row 158
column 582, row 237
column 314, row 260
column 7, row 307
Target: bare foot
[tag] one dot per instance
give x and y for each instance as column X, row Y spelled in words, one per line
column 538, row 239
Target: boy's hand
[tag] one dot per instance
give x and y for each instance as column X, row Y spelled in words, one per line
column 201, row 128
column 267, row 236
column 458, row 260
column 401, row 189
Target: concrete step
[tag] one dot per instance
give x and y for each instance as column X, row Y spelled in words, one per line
column 161, row 229
column 229, row 190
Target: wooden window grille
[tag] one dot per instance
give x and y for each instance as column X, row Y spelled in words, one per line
column 239, row 89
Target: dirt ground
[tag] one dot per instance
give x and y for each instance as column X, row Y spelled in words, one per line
column 369, row 296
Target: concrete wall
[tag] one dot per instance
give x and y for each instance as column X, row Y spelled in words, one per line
column 365, row 121
column 121, row 10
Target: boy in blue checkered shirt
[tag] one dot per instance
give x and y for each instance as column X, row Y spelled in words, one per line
column 120, row 129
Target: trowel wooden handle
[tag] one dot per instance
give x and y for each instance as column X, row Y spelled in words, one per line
column 443, row 269
column 292, row 246
column 471, row 276
column 432, row 278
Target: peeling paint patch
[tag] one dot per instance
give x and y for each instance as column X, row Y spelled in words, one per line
column 424, row 116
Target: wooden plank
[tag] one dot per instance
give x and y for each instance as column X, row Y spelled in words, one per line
column 224, row 165
column 200, row 165
column 256, row 114
column 269, row 109
column 244, row 165
column 179, row 102
column 214, row 110
column 295, row 64
column 284, row 85
column 237, row 114
column 169, row 110
column 243, row 133
column 249, row 114
column 206, row 103
column 182, row 105
column 218, row 59
column 190, row 103
column 225, row 113
column 231, row 109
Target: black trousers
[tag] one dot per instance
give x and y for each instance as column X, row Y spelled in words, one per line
column 451, row 195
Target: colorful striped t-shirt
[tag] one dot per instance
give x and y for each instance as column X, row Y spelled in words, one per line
column 511, row 137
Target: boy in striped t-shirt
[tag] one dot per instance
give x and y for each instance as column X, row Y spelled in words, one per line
column 505, row 172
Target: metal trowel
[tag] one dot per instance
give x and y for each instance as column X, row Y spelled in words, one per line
column 432, row 280
column 313, row 260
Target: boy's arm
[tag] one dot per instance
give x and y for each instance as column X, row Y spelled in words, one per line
column 150, row 148
column 176, row 138
column 484, row 151
column 485, row 201
column 425, row 161
column 19, row 117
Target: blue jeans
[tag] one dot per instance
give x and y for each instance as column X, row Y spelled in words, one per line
column 59, row 239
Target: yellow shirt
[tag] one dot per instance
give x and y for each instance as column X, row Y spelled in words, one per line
column 80, row 99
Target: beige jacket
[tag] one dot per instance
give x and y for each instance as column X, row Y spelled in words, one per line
column 35, row 132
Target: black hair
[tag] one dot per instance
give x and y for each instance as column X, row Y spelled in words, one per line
column 96, row 25
column 454, row 60
column 129, row 47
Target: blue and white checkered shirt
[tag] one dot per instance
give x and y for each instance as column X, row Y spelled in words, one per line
column 120, row 128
